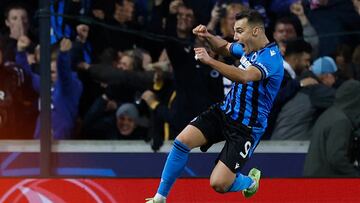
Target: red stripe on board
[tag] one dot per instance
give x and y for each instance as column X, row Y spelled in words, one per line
column 184, row 191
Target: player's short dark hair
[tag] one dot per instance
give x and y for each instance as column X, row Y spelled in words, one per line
column 12, row 7
column 253, row 17
column 297, row 47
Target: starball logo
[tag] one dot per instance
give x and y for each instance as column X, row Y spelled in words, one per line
column 57, row 191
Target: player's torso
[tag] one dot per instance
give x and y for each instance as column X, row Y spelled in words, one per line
column 250, row 103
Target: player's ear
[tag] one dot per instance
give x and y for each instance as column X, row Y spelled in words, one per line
column 255, row 31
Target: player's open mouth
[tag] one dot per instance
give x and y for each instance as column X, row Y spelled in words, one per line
column 243, row 45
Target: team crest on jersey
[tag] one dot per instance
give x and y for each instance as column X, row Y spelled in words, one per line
column 254, row 57
column 214, row 74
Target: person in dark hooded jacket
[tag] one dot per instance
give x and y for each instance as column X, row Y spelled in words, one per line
column 328, row 152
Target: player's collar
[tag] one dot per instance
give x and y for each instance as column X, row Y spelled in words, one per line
column 270, row 44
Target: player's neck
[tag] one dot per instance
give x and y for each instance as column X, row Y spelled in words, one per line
column 260, row 43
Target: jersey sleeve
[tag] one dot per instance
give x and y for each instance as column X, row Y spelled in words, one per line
column 236, row 50
column 268, row 62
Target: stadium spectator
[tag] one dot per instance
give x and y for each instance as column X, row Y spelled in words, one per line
column 224, row 17
column 161, row 100
column 328, row 154
column 125, row 78
column 356, row 4
column 108, row 120
column 324, row 68
column 123, row 18
column 307, row 104
column 297, row 61
column 30, row 5
column 18, row 24
column 343, row 55
column 82, row 56
column 309, row 33
column 334, row 16
column 66, row 88
column 284, row 30
column 17, row 110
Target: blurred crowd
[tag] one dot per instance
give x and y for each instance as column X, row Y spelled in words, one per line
column 125, row 69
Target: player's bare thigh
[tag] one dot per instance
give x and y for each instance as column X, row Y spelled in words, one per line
column 192, row 137
column 221, row 178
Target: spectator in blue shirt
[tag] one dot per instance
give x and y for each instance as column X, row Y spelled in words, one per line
column 65, row 90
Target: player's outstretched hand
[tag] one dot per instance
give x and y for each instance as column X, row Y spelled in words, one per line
column 201, row 31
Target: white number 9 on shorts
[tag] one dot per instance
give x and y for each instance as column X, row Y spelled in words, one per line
column 247, row 147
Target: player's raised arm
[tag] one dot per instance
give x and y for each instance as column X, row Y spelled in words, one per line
column 218, row 44
column 251, row 73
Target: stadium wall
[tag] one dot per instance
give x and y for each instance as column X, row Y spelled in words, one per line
column 132, row 159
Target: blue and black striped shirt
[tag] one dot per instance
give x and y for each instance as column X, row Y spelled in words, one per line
column 251, row 103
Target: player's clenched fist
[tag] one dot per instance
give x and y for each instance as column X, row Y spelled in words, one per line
column 202, row 55
column 201, row 31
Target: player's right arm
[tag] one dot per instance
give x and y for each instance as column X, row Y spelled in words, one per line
column 218, row 44
column 250, row 73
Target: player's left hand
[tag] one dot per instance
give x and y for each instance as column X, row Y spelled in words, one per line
column 202, row 55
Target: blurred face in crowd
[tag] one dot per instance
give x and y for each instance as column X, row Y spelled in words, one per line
column 125, row 125
column 284, row 32
column 17, row 22
column 340, row 60
column 98, row 13
column 343, row 55
column 53, row 71
column 129, row 9
column 327, row 79
column 230, row 20
column 185, row 21
column 125, row 62
column 124, row 13
column 146, row 59
column 302, row 62
column 227, row 23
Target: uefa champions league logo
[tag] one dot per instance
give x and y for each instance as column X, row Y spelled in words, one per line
column 51, row 191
